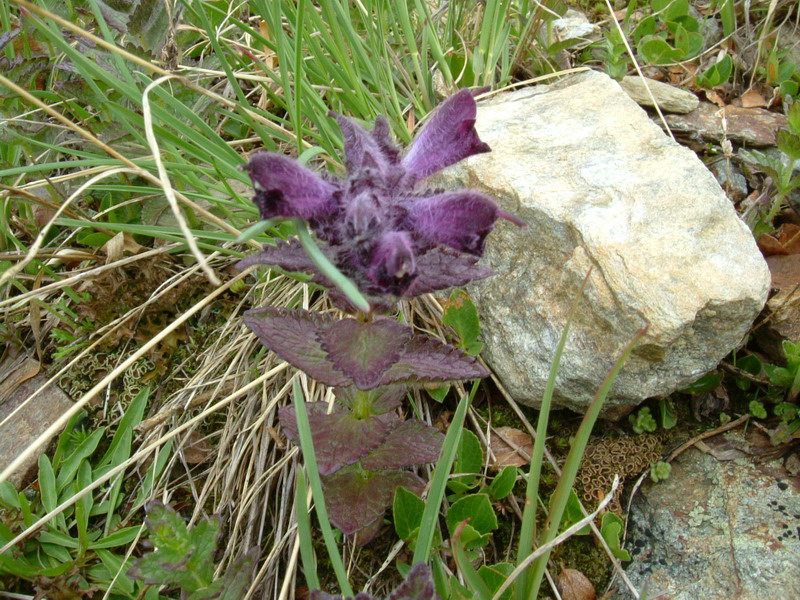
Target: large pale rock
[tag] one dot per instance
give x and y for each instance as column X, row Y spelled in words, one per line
column 723, row 526
column 601, row 186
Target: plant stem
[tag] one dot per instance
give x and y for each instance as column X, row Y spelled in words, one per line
column 362, row 407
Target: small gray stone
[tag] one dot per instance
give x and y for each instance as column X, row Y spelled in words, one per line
column 19, row 427
column 717, row 530
column 605, row 188
column 668, row 98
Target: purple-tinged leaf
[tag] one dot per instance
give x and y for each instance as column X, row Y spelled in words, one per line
column 392, row 265
column 447, row 138
column 293, row 336
column 285, row 188
column 339, row 438
column 410, row 443
column 383, row 399
column 363, row 351
column 460, row 220
column 427, row 360
column 417, row 586
column 320, row 595
column 288, row 256
column 356, row 498
column 442, row 268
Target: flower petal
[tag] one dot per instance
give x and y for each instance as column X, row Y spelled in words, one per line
column 460, row 220
column 285, row 188
column 447, row 138
column 363, row 149
column 392, row 265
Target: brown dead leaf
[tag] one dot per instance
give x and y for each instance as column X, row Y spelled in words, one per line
column 196, row 449
column 752, row 99
column 784, row 240
column 117, row 246
column 785, row 270
column 574, row 585
column 504, row 444
column 715, row 97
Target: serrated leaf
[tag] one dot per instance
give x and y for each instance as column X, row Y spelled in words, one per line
column 339, row 438
column 364, row 351
column 460, row 314
column 235, row 582
column 407, row 509
column 181, row 557
column 611, row 529
column 475, row 507
column 788, row 143
column 417, row 586
column 293, row 336
column 503, row 483
column 442, row 268
column 410, row 443
column 355, row 498
column 771, row 166
column 428, row 360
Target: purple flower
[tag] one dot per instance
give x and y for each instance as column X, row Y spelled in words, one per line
column 387, row 235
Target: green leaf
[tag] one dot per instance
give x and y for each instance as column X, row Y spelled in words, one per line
column 469, row 463
column 182, row 557
column 475, row 507
column 495, row 575
column 121, row 537
column 705, row 384
column 655, row 51
column 47, row 484
column 688, row 43
column 773, row 167
column 717, row 74
column 611, row 529
column 9, row 496
column 757, row 409
column 234, row 583
column 460, row 314
column 439, row 393
column 407, row 510
column 573, row 514
column 669, row 418
column 660, row 470
column 793, row 117
column 789, row 144
column 70, row 466
column 503, row 483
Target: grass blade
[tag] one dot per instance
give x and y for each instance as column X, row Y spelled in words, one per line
column 310, row 459
column 439, row 482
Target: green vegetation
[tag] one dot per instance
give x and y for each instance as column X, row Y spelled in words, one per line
column 123, row 127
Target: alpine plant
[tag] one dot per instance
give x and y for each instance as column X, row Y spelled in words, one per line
column 395, row 239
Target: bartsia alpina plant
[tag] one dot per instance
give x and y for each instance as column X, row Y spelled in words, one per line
column 394, row 239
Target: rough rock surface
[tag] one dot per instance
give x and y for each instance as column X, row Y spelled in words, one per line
column 20, row 379
column 753, row 127
column 601, row 186
column 717, row 529
column 668, row 98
